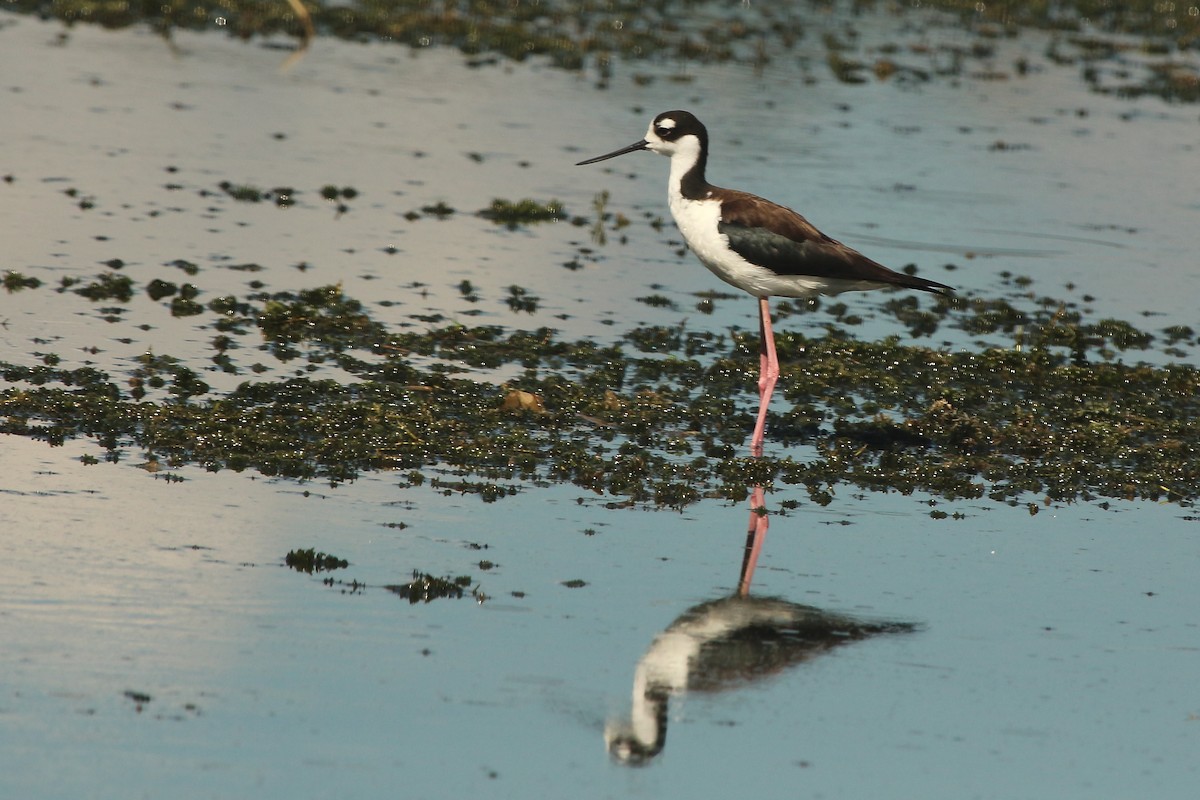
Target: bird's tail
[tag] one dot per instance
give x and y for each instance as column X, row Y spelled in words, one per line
column 924, row 284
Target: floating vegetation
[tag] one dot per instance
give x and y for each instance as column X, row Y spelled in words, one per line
column 242, row 193
column 468, row 291
column 582, row 34
column 187, row 266
column 282, row 196
column 152, row 373
column 488, row 492
column 519, row 299
column 522, row 212
column 331, row 192
column 656, row 301
column 15, row 281
column 338, row 196
column 140, row 699
column 108, row 286
column 158, row 289
column 661, row 416
column 310, row 561
column 322, row 315
column 439, row 210
column 185, row 307
column 425, row 588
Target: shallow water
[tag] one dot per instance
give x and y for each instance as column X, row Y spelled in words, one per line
column 155, row 644
column 1052, row 658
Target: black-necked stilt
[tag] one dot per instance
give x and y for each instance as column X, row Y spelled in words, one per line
column 726, row 644
column 756, row 245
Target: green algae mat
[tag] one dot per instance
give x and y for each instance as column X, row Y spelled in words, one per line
column 660, row 415
column 591, row 34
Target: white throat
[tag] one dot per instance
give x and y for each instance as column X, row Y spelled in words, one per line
column 684, row 154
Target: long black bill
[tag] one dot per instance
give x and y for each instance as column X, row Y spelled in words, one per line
column 642, row 145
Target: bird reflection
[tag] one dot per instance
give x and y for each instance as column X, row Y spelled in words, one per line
column 724, row 644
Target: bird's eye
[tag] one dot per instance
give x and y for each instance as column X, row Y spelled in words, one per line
column 663, row 131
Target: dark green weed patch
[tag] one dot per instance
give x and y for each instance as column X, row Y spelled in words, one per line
column 424, row 588
column 1091, row 35
column 311, row 561
column 661, row 416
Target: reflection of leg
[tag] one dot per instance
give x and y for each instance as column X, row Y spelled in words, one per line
column 756, row 534
column 768, row 373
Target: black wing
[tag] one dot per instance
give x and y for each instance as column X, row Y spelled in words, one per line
column 786, row 243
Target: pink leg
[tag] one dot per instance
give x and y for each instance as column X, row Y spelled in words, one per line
column 768, row 373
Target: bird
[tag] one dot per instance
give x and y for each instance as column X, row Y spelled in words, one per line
column 723, row 645
column 761, row 247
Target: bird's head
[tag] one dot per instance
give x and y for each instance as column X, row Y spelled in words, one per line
column 671, row 133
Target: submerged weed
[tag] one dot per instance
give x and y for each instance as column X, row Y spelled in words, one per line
column 322, row 315
column 424, row 588
column 519, row 299
column 522, row 212
column 15, row 282
column 310, row 561
column 108, row 286
column 439, row 210
column 242, row 192
column 158, row 289
column 581, row 35
column 659, row 418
